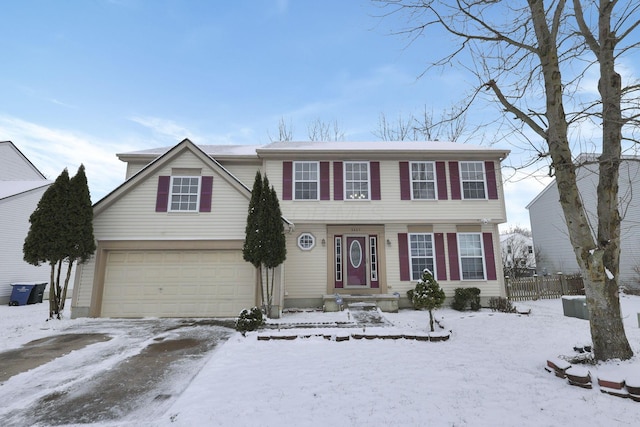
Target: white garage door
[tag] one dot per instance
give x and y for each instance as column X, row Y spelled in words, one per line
column 213, row 283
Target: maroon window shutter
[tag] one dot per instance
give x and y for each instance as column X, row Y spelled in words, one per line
column 287, row 171
column 454, row 266
column 403, row 250
column 441, row 180
column 374, row 169
column 454, row 175
column 206, row 191
column 324, row 181
column 405, row 181
column 441, row 265
column 337, row 181
column 489, row 257
column 162, row 197
column 338, row 284
column 492, row 186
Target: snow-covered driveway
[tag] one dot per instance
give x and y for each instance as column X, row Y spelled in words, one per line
column 99, row 370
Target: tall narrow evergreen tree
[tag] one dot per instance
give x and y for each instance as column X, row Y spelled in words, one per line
column 252, row 240
column 264, row 246
column 61, row 232
column 274, row 239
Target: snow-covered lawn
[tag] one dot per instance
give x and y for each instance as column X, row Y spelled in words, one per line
column 490, row 373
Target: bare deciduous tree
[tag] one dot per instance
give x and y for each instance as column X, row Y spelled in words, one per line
column 449, row 126
column 533, row 59
column 319, row 130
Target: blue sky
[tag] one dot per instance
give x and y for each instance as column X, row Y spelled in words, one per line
column 83, row 80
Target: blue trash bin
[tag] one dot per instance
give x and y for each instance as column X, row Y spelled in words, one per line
column 21, row 292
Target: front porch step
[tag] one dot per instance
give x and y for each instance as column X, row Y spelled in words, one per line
column 385, row 302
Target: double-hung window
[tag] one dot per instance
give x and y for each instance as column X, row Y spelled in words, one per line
column 473, row 182
column 423, row 181
column 306, row 180
column 471, row 256
column 421, row 254
column 185, row 194
column 356, row 182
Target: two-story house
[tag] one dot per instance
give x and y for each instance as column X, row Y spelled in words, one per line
column 361, row 218
column 549, row 228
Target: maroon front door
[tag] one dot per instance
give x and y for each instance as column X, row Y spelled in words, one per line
column 356, row 261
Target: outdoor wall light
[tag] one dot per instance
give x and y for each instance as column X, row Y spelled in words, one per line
column 388, row 242
column 324, row 242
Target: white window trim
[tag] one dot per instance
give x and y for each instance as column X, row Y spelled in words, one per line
column 484, row 263
column 433, row 248
column 338, row 258
column 306, row 235
column 344, row 180
column 294, row 180
column 435, row 179
column 484, row 181
column 373, row 258
column 171, row 194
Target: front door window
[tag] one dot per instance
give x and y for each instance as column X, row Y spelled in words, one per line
column 356, row 265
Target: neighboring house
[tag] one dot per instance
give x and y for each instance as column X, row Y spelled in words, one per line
column 21, row 187
column 361, row 219
column 549, row 229
column 518, row 257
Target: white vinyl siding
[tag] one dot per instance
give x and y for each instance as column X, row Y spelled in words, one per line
column 423, row 181
column 14, row 223
column 472, row 179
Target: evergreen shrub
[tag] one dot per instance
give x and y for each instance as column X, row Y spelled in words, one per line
column 249, row 320
column 466, row 297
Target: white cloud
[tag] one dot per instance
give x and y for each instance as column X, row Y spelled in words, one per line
column 52, row 150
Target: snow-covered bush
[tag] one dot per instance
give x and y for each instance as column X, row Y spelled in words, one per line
column 427, row 294
column 249, row 320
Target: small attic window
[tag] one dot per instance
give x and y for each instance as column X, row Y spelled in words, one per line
column 306, row 241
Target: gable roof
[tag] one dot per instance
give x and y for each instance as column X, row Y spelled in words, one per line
column 167, row 157
column 14, row 188
column 24, row 158
column 159, row 162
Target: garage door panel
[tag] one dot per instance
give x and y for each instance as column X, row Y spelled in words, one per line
column 177, row 284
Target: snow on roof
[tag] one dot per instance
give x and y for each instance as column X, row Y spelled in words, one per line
column 12, row 188
column 376, row 146
column 211, row 150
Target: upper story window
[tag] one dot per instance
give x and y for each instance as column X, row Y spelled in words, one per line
column 306, row 180
column 356, row 180
column 423, row 181
column 471, row 256
column 473, row 182
column 421, row 254
column 185, row 192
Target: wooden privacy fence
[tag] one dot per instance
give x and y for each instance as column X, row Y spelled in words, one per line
column 545, row 287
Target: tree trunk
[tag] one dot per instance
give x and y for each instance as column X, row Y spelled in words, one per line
column 63, row 298
column 52, row 291
column 431, row 320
